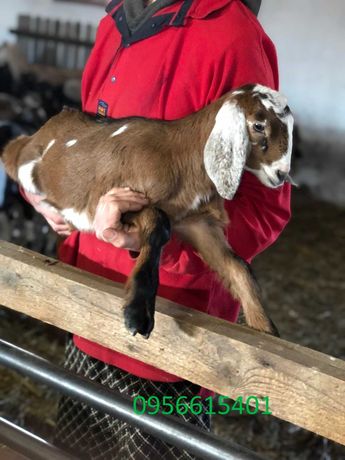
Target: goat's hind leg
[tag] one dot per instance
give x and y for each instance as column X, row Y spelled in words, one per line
column 142, row 285
column 206, row 236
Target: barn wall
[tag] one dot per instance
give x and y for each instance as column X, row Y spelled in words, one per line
column 310, row 40
column 46, row 8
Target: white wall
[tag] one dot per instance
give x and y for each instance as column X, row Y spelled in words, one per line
column 45, row 8
column 310, row 40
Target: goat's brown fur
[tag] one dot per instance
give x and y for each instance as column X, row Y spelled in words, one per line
column 164, row 160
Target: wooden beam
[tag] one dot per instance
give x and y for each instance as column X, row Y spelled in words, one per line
column 304, row 387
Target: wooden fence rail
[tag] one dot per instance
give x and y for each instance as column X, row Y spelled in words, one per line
column 304, row 387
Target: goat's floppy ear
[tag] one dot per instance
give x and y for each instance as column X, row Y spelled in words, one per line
column 11, row 155
column 226, row 149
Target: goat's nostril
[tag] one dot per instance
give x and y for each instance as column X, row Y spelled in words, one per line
column 282, row 175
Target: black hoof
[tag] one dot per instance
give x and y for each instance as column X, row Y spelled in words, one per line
column 139, row 318
column 274, row 329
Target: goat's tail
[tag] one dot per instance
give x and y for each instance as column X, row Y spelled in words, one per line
column 10, row 155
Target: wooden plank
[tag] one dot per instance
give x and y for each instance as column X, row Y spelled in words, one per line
column 62, row 44
column 37, row 45
column 53, row 31
column 76, row 50
column 23, row 22
column 60, row 39
column 305, row 387
column 8, row 454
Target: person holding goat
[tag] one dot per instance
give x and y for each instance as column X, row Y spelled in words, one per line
column 163, row 59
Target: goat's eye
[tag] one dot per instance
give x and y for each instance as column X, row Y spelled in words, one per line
column 259, row 127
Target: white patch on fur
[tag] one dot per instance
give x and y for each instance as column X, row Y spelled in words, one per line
column 71, row 142
column 226, row 149
column 25, row 176
column 275, row 100
column 119, row 131
column 198, row 201
column 49, row 146
column 289, row 121
column 237, row 92
column 261, row 175
column 80, row 220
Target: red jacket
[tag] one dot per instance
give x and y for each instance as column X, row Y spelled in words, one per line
column 185, row 57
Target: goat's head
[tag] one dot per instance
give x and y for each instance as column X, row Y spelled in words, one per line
column 253, row 130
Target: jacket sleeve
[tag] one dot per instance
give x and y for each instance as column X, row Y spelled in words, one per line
column 257, row 215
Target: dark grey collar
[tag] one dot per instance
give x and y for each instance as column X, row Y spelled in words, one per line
column 137, row 13
column 253, row 5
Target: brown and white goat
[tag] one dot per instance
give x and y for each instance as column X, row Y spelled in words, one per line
column 185, row 167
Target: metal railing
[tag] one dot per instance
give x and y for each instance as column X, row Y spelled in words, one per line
column 29, row 444
column 167, row 428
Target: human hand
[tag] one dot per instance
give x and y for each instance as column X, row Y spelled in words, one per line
column 54, row 219
column 107, row 221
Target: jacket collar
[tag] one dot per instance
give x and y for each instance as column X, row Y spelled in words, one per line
column 173, row 15
column 181, row 10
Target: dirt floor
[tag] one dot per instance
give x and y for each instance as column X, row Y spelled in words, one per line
column 303, row 285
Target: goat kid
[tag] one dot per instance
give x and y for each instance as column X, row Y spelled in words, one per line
column 185, row 167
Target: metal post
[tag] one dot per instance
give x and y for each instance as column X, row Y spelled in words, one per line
column 167, row 428
column 29, row 444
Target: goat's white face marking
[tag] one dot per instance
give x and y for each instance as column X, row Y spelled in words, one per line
column 25, row 176
column 71, row 142
column 268, row 173
column 49, row 146
column 80, row 220
column 274, row 99
column 226, row 149
column 119, row 131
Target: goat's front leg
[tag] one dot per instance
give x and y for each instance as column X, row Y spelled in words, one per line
column 206, row 235
column 142, row 284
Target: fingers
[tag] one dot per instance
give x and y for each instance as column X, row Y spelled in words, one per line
column 55, row 220
column 61, row 229
column 125, row 239
column 107, row 221
column 125, row 192
column 52, row 216
column 34, row 199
